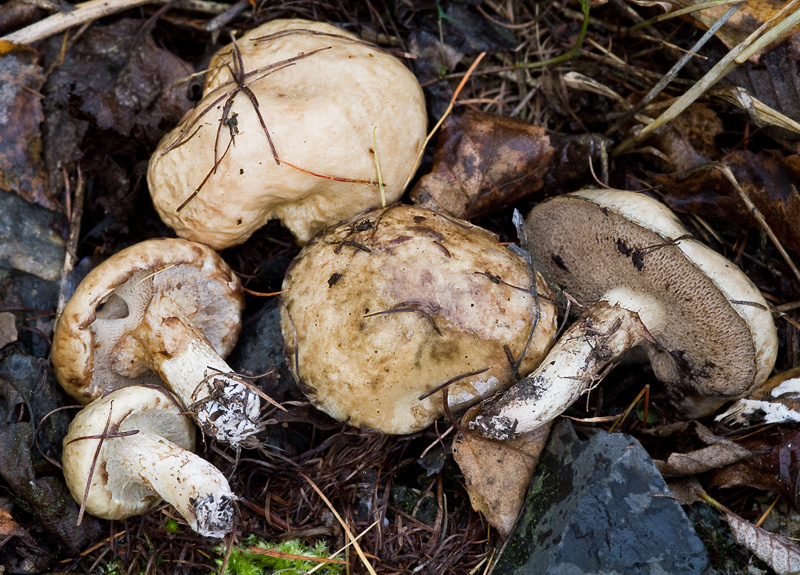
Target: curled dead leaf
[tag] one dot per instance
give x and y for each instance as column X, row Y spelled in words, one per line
column 483, row 163
column 497, row 474
column 720, row 452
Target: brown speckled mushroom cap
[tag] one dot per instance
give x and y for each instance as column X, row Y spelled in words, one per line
column 387, row 307
column 144, row 456
column 716, row 336
column 330, row 103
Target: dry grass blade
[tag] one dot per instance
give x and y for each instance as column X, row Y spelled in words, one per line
column 673, row 72
column 444, row 116
column 759, row 112
column 682, row 11
column 347, row 531
column 726, row 171
column 334, row 554
column 758, row 40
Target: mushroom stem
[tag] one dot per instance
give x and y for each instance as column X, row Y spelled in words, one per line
column 574, row 365
column 197, row 489
column 224, row 406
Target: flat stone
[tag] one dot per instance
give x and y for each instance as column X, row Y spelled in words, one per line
column 27, row 240
column 600, row 507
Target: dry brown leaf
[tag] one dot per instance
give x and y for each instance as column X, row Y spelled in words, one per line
column 770, row 182
column 22, row 168
column 9, row 527
column 775, row 465
column 497, row 474
column 744, row 22
column 483, row 163
column 779, row 552
column 688, row 141
column 686, row 490
column 720, row 453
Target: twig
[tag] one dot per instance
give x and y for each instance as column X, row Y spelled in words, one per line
column 84, row 12
column 75, row 215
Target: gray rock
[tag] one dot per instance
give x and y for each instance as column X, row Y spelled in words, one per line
column 260, row 352
column 600, row 507
column 27, row 240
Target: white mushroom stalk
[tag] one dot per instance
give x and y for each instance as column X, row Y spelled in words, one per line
column 162, row 310
column 224, row 405
column 643, row 282
column 601, row 336
column 131, row 449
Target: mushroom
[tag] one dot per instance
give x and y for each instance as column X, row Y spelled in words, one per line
column 384, row 310
column 130, row 449
column 644, row 282
column 163, row 308
column 299, row 121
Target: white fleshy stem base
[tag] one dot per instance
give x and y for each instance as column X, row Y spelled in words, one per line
column 223, row 405
column 574, row 365
column 197, row 489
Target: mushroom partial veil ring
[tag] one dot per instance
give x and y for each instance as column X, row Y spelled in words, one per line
column 127, row 451
column 161, row 310
column 644, row 282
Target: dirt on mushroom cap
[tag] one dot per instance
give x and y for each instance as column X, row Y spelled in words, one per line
column 383, row 309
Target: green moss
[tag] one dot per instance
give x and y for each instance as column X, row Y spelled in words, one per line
column 242, row 561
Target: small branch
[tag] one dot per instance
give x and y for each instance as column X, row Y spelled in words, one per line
column 75, row 215
column 83, row 13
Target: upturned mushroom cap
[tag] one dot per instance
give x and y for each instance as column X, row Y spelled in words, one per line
column 385, row 308
column 93, row 350
column 332, row 105
column 145, row 456
column 716, row 337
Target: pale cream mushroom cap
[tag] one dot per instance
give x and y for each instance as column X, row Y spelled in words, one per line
column 717, row 339
column 92, row 357
column 386, row 307
column 145, row 456
column 325, row 113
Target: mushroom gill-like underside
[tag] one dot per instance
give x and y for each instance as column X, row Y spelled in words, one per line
column 706, row 351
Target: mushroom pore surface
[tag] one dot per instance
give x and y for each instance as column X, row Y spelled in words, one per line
column 390, row 305
column 95, row 348
column 330, row 104
column 716, row 339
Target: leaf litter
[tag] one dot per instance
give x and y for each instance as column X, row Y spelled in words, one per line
column 111, row 91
